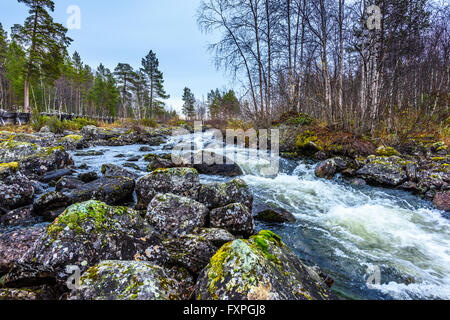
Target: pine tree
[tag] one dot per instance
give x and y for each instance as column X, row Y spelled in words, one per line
column 3, row 53
column 44, row 39
column 124, row 74
column 189, row 103
column 150, row 67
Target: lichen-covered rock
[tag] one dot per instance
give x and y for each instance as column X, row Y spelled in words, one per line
column 112, row 170
column 55, row 175
column 261, row 268
column 326, row 169
column 158, row 162
column 174, row 215
column 192, row 252
column 16, row 190
column 51, row 205
column 14, row 244
column 132, row 280
column 383, row 151
column 235, row 218
column 442, row 201
column 217, row 195
column 30, row 294
column 179, row 181
column 216, row 236
column 87, row 177
column 19, row 217
column 73, row 142
column 34, row 161
column 85, row 234
column 385, row 171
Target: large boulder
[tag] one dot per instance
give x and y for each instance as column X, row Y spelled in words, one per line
column 85, row 234
column 235, row 218
column 217, row 195
column 179, row 181
column 133, row 280
column 14, row 244
column 261, row 268
column 442, row 201
column 51, row 205
column 173, row 215
column 384, row 171
column 73, row 142
column 16, row 190
column 112, row 190
column 34, row 161
column 112, row 170
column 273, row 214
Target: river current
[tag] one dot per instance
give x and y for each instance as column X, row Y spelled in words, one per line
column 353, row 233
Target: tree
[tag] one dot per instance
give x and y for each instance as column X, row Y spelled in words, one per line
column 124, row 74
column 44, row 39
column 3, row 54
column 189, row 103
column 150, row 67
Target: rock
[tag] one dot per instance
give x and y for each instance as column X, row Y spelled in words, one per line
column 227, row 168
column 173, row 215
column 56, row 175
column 68, row 183
column 216, row 195
column 133, row 159
column 19, row 217
column 73, row 142
column 132, row 166
column 88, row 176
column 91, row 153
column 132, row 280
column 14, row 244
column 411, row 171
column 112, row 170
column 261, row 268
column 442, row 201
column 48, row 293
column 179, row 181
column 386, row 152
column 191, row 252
column 358, row 182
column 51, row 205
column 16, row 190
column 83, row 166
column 85, row 234
column 218, row 237
column 34, row 161
column 112, row 190
column 145, row 149
column 235, row 218
column 384, row 171
column 274, row 214
column 95, row 133
column 326, row 169
column 156, row 162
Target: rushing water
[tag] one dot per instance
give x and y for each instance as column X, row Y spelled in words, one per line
column 344, row 229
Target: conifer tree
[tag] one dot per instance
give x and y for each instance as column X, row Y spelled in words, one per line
column 44, row 39
column 189, row 103
column 150, row 67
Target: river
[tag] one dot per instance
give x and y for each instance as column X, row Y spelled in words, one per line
column 350, row 232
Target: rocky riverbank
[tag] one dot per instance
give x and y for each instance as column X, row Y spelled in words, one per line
column 182, row 240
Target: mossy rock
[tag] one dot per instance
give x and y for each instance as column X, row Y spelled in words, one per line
column 261, row 268
column 387, row 152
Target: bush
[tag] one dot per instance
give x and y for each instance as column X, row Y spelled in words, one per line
column 58, row 126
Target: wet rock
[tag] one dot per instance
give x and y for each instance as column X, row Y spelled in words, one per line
column 95, row 133
column 14, row 244
column 19, row 217
column 91, row 153
column 217, row 195
column 384, row 171
column 16, row 190
column 442, row 201
column 88, row 176
column 30, row 294
column 409, row 186
column 132, row 166
column 145, row 149
column 190, row 252
column 227, row 170
column 131, row 280
column 432, row 180
column 133, row 159
column 155, row 162
column 112, row 170
column 68, row 183
column 275, row 214
column 173, row 215
column 56, row 175
column 179, row 181
column 235, row 218
column 326, row 169
column 85, row 234
column 83, row 166
column 112, row 190
column 51, row 205
column 261, row 268
column 358, row 182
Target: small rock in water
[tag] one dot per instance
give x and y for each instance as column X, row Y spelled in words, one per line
column 133, row 159
column 132, row 166
column 235, row 218
column 88, row 177
column 89, row 153
column 145, row 149
column 112, row 170
column 274, row 214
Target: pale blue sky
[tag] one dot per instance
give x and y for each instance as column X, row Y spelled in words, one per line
column 115, row 31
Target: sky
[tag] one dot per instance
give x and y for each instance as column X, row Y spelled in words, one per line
column 114, row 31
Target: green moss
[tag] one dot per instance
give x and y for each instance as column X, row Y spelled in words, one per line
column 305, row 139
column 13, row 166
column 387, row 152
column 72, row 138
column 438, row 158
